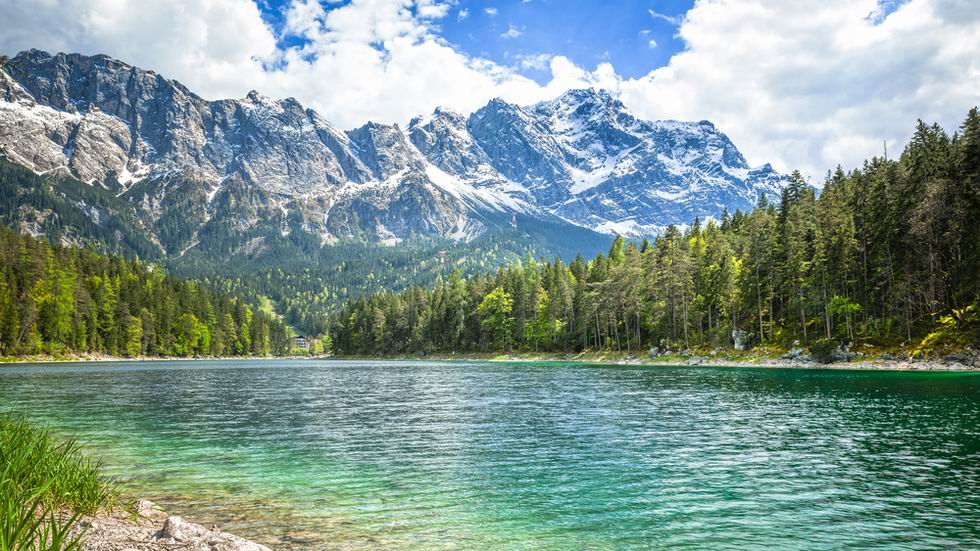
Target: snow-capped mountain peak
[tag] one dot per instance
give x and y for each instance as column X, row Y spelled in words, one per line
column 581, row 158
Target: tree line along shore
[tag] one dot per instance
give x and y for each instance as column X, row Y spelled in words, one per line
column 886, row 256
column 71, row 302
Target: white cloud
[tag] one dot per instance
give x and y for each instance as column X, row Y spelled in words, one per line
column 213, row 44
column 811, row 83
column 652, row 43
column 538, row 62
column 366, row 60
column 381, row 60
column 802, row 83
column 463, row 14
column 511, row 32
column 490, row 11
column 672, row 19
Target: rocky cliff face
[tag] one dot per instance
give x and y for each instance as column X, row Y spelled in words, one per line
column 196, row 168
column 585, row 158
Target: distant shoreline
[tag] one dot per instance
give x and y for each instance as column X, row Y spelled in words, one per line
column 90, row 358
column 596, row 358
column 746, row 360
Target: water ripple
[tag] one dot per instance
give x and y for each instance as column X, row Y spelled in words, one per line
column 423, row 455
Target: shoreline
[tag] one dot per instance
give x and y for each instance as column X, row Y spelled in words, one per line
column 92, row 358
column 150, row 528
column 693, row 361
column 756, row 361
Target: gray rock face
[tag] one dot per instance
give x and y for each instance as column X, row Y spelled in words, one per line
column 585, row 158
column 134, row 123
column 634, row 177
column 793, row 354
column 155, row 143
column 385, row 150
column 255, row 162
column 443, row 138
column 521, row 149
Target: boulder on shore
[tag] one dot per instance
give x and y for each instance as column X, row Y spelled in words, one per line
column 153, row 530
column 793, row 354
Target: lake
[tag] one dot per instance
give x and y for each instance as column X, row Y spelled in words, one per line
column 305, row 454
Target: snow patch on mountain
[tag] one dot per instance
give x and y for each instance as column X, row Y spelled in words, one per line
column 581, row 157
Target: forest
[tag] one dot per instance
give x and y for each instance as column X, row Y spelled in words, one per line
column 886, row 255
column 305, row 279
column 68, row 300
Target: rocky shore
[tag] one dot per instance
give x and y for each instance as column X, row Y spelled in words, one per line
column 796, row 358
column 905, row 364
column 152, row 529
column 837, row 357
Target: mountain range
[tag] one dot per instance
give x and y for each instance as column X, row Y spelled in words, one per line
column 234, row 176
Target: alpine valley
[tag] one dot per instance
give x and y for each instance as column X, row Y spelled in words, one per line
column 267, row 196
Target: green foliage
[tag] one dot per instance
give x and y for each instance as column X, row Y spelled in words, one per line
column 878, row 256
column 304, row 279
column 64, row 209
column 306, row 287
column 958, row 329
column 844, row 311
column 40, row 477
column 823, row 350
column 495, row 316
column 63, row 300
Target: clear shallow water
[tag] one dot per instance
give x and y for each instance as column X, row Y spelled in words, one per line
column 336, row 455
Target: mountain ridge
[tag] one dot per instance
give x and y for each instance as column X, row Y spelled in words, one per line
column 256, row 163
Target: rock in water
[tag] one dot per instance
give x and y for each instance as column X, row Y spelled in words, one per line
column 149, row 510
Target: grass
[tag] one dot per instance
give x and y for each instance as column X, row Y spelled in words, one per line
column 46, row 485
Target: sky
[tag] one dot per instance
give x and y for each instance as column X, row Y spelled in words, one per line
column 803, row 84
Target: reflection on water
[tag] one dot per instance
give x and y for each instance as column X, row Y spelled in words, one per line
column 330, row 454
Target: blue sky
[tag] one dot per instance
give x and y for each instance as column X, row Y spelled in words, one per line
column 636, row 36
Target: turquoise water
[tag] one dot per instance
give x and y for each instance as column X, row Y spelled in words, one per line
column 426, row 455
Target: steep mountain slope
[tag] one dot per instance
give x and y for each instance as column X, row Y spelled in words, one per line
column 237, row 172
column 583, row 157
column 199, row 169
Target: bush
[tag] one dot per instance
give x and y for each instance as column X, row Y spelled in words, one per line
column 45, row 487
column 824, row 351
column 959, row 329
